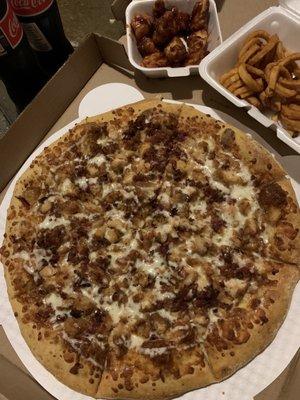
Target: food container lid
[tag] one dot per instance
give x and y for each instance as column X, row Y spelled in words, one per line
column 291, row 5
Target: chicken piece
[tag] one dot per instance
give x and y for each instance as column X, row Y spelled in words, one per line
column 141, row 25
column 155, row 60
column 197, row 45
column 166, row 27
column 146, row 46
column 200, row 15
column 183, row 21
column 176, row 51
column 159, row 8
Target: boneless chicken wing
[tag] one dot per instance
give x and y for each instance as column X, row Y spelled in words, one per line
column 159, row 8
column 142, row 26
column 155, row 60
column 166, row 27
column 183, row 21
column 197, row 47
column 176, row 51
column 146, row 46
column 200, row 15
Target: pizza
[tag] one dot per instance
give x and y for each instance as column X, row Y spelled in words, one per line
column 150, row 251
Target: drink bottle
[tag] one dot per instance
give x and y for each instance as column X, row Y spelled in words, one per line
column 42, row 24
column 19, row 67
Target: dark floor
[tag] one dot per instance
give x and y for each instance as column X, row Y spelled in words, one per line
column 80, row 17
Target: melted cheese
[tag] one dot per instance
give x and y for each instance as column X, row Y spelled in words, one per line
column 164, row 198
column 97, row 160
column 153, row 352
column 51, row 222
column 234, row 285
column 92, row 293
column 54, row 300
column 213, row 317
column 199, row 206
column 239, row 192
column 109, row 187
column 23, row 255
column 73, row 342
column 103, row 141
column 93, row 256
column 57, row 303
column 188, row 190
column 66, row 187
column 202, row 281
column 166, row 315
column 135, row 341
column 148, row 268
column 82, row 183
column 116, row 311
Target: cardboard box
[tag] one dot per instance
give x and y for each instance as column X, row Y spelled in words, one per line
column 97, row 61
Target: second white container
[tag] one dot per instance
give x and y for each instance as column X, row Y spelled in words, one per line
column 283, row 20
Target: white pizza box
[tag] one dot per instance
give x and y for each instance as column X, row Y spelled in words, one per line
column 283, row 20
column 99, row 61
column 145, row 6
column 245, row 383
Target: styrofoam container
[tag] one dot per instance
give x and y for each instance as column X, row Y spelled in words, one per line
column 145, row 6
column 283, row 20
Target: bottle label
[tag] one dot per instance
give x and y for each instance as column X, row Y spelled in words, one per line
column 11, row 28
column 36, row 37
column 30, row 8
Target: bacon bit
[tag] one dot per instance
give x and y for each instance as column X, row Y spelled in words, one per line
column 228, row 138
column 255, row 303
column 207, row 297
column 75, row 369
column 213, row 195
column 272, row 195
column 217, row 223
column 24, row 202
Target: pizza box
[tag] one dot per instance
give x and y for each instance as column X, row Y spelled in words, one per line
column 99, row 61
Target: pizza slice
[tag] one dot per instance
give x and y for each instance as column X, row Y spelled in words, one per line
column 67, row 224
column 281, row 219
column 216, row 138
column 52, row 328
column 236, row 335
column 156, row 358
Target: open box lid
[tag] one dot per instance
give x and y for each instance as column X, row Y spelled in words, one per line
column 40, row 115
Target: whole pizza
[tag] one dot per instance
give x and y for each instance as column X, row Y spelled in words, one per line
column 150, row 251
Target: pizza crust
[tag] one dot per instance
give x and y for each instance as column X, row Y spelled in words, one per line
column 135, row 376
column 132, row 110
column 283, row 225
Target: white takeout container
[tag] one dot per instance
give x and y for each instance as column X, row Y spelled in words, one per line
column 145, row 6
column 283, row 20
